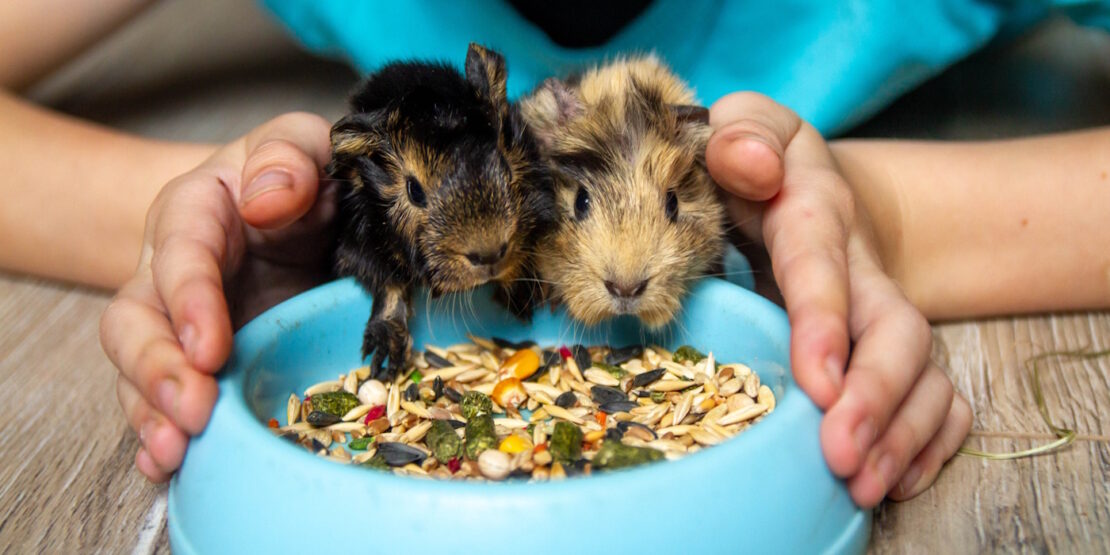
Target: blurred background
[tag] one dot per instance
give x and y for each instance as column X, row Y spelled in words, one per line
column 232, row 67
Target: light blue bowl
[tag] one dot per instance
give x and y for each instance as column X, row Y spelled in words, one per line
column 242, row 490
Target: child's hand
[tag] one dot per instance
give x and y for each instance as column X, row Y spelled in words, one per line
column 892, row 420
column 250, row 223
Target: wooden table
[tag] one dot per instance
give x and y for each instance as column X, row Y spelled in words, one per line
column 67, row 482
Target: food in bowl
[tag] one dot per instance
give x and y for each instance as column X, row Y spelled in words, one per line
column 494, row 409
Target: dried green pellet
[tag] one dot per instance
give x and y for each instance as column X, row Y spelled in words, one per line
column 614, row 454
column 475, row 403
column 686, row 352
column 360, row 444
column 480, row 435
column 335, row 402
column 566, row 442
column 443, row 441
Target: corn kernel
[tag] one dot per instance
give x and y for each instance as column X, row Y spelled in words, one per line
column 509, row 392
column 521, row 365
column 514, row 444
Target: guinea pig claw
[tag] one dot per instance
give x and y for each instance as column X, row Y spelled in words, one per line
column 386, row 339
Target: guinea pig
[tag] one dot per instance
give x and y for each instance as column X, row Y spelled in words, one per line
column 441, row 186
column 638, row 214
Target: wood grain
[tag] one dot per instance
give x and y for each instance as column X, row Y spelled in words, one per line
column 66, row 476
column 1052, row 503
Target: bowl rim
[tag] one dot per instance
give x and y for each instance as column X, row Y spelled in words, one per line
column 254, row 338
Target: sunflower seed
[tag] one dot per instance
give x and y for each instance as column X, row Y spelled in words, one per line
column 616, row 357
column 670, row 385
column 452, row 394
column 560, row 412
column 617, row 406
column 350, row 383
column 766, row 397
column 742, row 415
column 647, row 378
column 399, row 454
column 436, row 361
column 323, row 387
column 292, row 409
column 751, row 385
column 602, row 394
column 567, row 400
column 600, row 377
column 321, row 419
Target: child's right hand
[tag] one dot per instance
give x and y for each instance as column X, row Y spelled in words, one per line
column 245, row 230
column 893, row 419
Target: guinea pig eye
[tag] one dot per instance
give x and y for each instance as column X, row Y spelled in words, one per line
column 672, row 205
column 416, row 192
column 581, row 203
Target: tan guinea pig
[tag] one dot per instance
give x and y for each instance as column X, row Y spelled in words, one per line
column 638, row 215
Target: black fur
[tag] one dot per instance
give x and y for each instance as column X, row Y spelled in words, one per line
column 463, row 132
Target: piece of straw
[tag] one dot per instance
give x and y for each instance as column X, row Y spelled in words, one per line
column 1064, row 436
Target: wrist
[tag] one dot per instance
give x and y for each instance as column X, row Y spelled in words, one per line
column 879, row 206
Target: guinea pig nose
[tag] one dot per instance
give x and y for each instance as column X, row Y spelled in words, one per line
column 484, row 258
column 626, row 290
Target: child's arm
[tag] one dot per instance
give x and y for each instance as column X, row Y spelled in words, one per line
column 75, row 193
column 985, row 228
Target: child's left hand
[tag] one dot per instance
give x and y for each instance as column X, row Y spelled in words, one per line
column 893, row 419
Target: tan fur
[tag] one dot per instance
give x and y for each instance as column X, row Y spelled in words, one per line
column 620, row 112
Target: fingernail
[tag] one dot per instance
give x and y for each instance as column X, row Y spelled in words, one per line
column 886, row 468
column 267, row 182
column 188, row 339
column 909, row 480
column 167, row 397
column 835, row 368
column 749, row 136
column 865, row 435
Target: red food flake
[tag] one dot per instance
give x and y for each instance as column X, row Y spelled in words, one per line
column 374, row 414
column 454, row 465
column 600, row 417
column 539, row 448
column 565, row 352
column 273, row 423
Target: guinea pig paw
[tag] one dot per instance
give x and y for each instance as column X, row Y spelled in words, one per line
column 386, row 339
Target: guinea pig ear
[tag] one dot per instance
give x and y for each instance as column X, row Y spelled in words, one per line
column 485, row 71
column 690, row 114
column 355, row 134
column 549, row 108
column 353, row 139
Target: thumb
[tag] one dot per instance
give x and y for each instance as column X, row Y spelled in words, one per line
column 281, row 173
column 750, row 137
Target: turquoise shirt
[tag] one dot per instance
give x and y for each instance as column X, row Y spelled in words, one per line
column 835, row 62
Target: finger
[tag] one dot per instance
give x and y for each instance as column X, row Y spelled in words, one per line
column 145, row 463
column 195, row 245
column 281, row 171
column 751, row 135
column 139, row 341
column 806, row 237
column 923, row 471
column 161, row 441
column 916, row 422
column 889, row 355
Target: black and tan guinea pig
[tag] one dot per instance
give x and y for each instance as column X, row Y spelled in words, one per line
column 441, row 186
column 639, row 218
